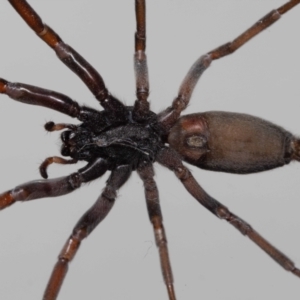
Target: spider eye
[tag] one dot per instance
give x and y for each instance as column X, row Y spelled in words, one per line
column 65, row 151
column 65, row 136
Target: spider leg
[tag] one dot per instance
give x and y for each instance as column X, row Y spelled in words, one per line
column 146, row 173
column 54, row 187
column 140, row 61
column 37, row 96
column 42, row 97
column 170, row 115
column 67, row 55
column 171, row 160
column 84, row 227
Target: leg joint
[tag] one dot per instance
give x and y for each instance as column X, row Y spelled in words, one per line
column 182, row 172
column 75, row 180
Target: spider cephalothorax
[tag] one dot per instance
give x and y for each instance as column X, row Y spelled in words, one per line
column 122, row 139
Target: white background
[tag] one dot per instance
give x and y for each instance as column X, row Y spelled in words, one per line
column 119, row 261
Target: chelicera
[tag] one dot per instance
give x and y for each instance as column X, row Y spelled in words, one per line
column 122, row 139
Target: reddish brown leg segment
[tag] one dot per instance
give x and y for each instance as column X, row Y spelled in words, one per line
column 33, row 95
column 40, row 189
column 169, row 116
column 67, row 55
column 140, row 59
column 53, row 187
column 84, row 227
column 171, row 160
column 37, row 96
column 152, row 199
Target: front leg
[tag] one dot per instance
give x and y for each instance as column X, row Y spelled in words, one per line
column 53, row 187
column 33, row 95
column 70, row 57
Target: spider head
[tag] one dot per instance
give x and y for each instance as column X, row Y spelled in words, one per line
column 77, row 143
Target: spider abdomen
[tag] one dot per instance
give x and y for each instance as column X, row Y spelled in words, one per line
column 231, row 142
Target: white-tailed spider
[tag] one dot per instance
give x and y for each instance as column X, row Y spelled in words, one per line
column 122, row 139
